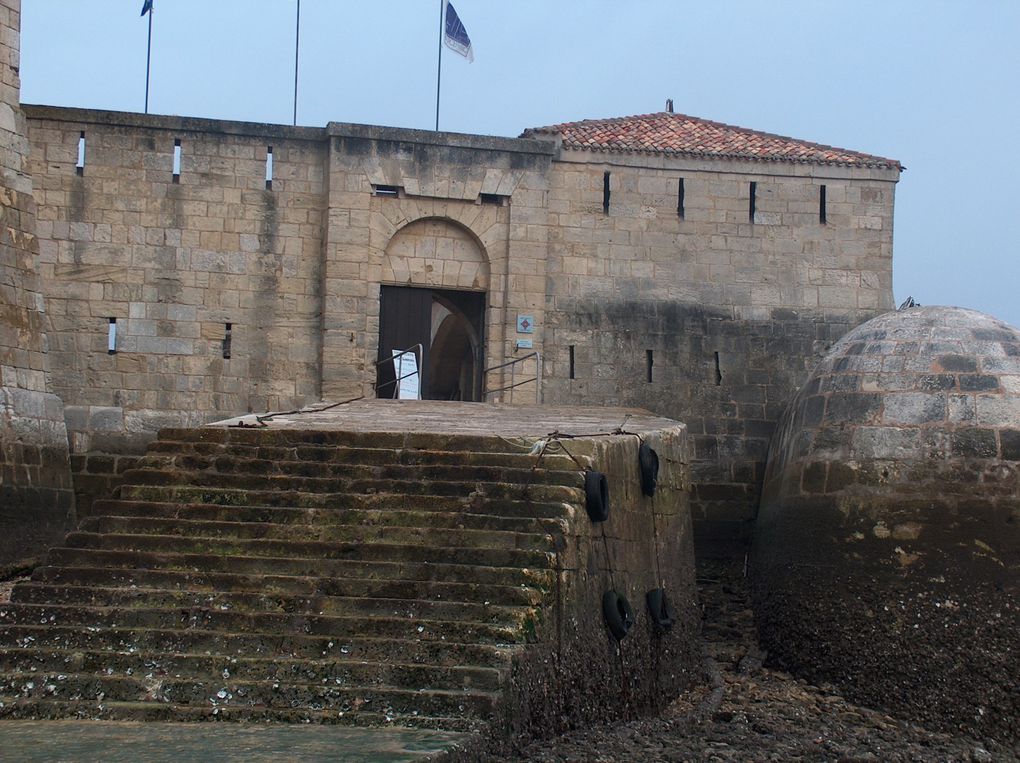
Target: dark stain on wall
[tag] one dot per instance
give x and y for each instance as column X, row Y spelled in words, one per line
column 761, row 364
column 267, row 270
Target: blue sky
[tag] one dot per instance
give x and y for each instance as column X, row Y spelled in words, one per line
column 931, row 83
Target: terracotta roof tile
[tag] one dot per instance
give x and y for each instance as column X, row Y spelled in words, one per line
column 681, row 135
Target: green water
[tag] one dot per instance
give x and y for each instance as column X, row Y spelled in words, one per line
column 115, row 742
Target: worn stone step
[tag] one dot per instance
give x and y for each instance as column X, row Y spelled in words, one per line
column 74, row 686
column 320, row 696
column 298, row 646
column 434, row 511
column 153, row 483
column 12, row 707
column 478, row 502
column 333, row 533
column 358, row 470
column 264, row 622
column 373, row 456
column 257, row 603
column 363, row 569
column 318, row 517
column 310, row 549
column 285, row 585
column 337, row 669
column 352, row 439
column 230, row 692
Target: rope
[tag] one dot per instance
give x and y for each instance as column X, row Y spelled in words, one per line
column 609, row 558
column 655, row 543
column 260, row 420
column 521, row 442
column 269, row 416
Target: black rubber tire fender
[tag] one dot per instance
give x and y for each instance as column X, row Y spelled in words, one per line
column 596, row 496
column 661, row 610
column 648, row 463
column 618, row 614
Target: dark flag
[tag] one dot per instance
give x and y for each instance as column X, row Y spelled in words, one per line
column 147, row 7
column 455, row 36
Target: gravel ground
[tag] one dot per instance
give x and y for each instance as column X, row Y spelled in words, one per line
column 750, row 713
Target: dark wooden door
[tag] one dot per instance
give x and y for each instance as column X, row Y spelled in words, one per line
column 405, row 319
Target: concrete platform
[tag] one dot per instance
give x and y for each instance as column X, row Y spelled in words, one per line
column 443, row 417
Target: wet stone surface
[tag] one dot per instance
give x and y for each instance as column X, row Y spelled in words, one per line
column 755, row 713
column 52, row 741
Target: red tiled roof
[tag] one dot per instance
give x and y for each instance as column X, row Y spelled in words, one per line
column 681, row 135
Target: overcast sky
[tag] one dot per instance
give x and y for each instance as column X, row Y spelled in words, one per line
column 933, row 84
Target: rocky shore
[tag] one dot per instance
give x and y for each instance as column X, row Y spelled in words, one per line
column 748, row 712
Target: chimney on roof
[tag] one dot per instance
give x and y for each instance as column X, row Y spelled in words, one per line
column 669, row 105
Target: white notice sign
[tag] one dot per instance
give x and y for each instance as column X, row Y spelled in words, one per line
column 405, row 366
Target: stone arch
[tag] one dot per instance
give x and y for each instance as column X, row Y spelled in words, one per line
column 436, row 252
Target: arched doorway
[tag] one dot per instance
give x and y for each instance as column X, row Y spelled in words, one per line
column 435, row 276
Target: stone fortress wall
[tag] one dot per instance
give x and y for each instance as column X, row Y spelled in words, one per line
column 175, row 260
column 36, row 500
column 703, row 313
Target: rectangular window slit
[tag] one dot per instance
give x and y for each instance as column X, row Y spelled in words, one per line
column 393, row 191
column 491, row 198
column 821, row 205
column 751, row 201
column 718, row 371
column 680, row 199
column 649, row 362
column 80, row 166
column 111, row 337
column 605, row 192
column 570, row 351
column 269, row 168
column 227, row 336
column 177, row 160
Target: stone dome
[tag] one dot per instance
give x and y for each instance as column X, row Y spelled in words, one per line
column 886, row 555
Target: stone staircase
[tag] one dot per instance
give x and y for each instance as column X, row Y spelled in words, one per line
column 315, row 576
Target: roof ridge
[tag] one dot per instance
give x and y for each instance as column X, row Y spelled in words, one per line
column 729, row 141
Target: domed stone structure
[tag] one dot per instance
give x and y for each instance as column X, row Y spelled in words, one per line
column 886, row 556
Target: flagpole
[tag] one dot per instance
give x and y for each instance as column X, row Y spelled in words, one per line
column 297, row 47
column 439, row 67
column 148, row 62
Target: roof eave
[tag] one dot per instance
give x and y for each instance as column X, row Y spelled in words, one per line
column 876, row 164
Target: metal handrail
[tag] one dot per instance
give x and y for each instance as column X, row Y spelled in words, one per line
column 419, row 357
column 512, row 363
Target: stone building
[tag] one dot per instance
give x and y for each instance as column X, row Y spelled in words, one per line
column 193, row 269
